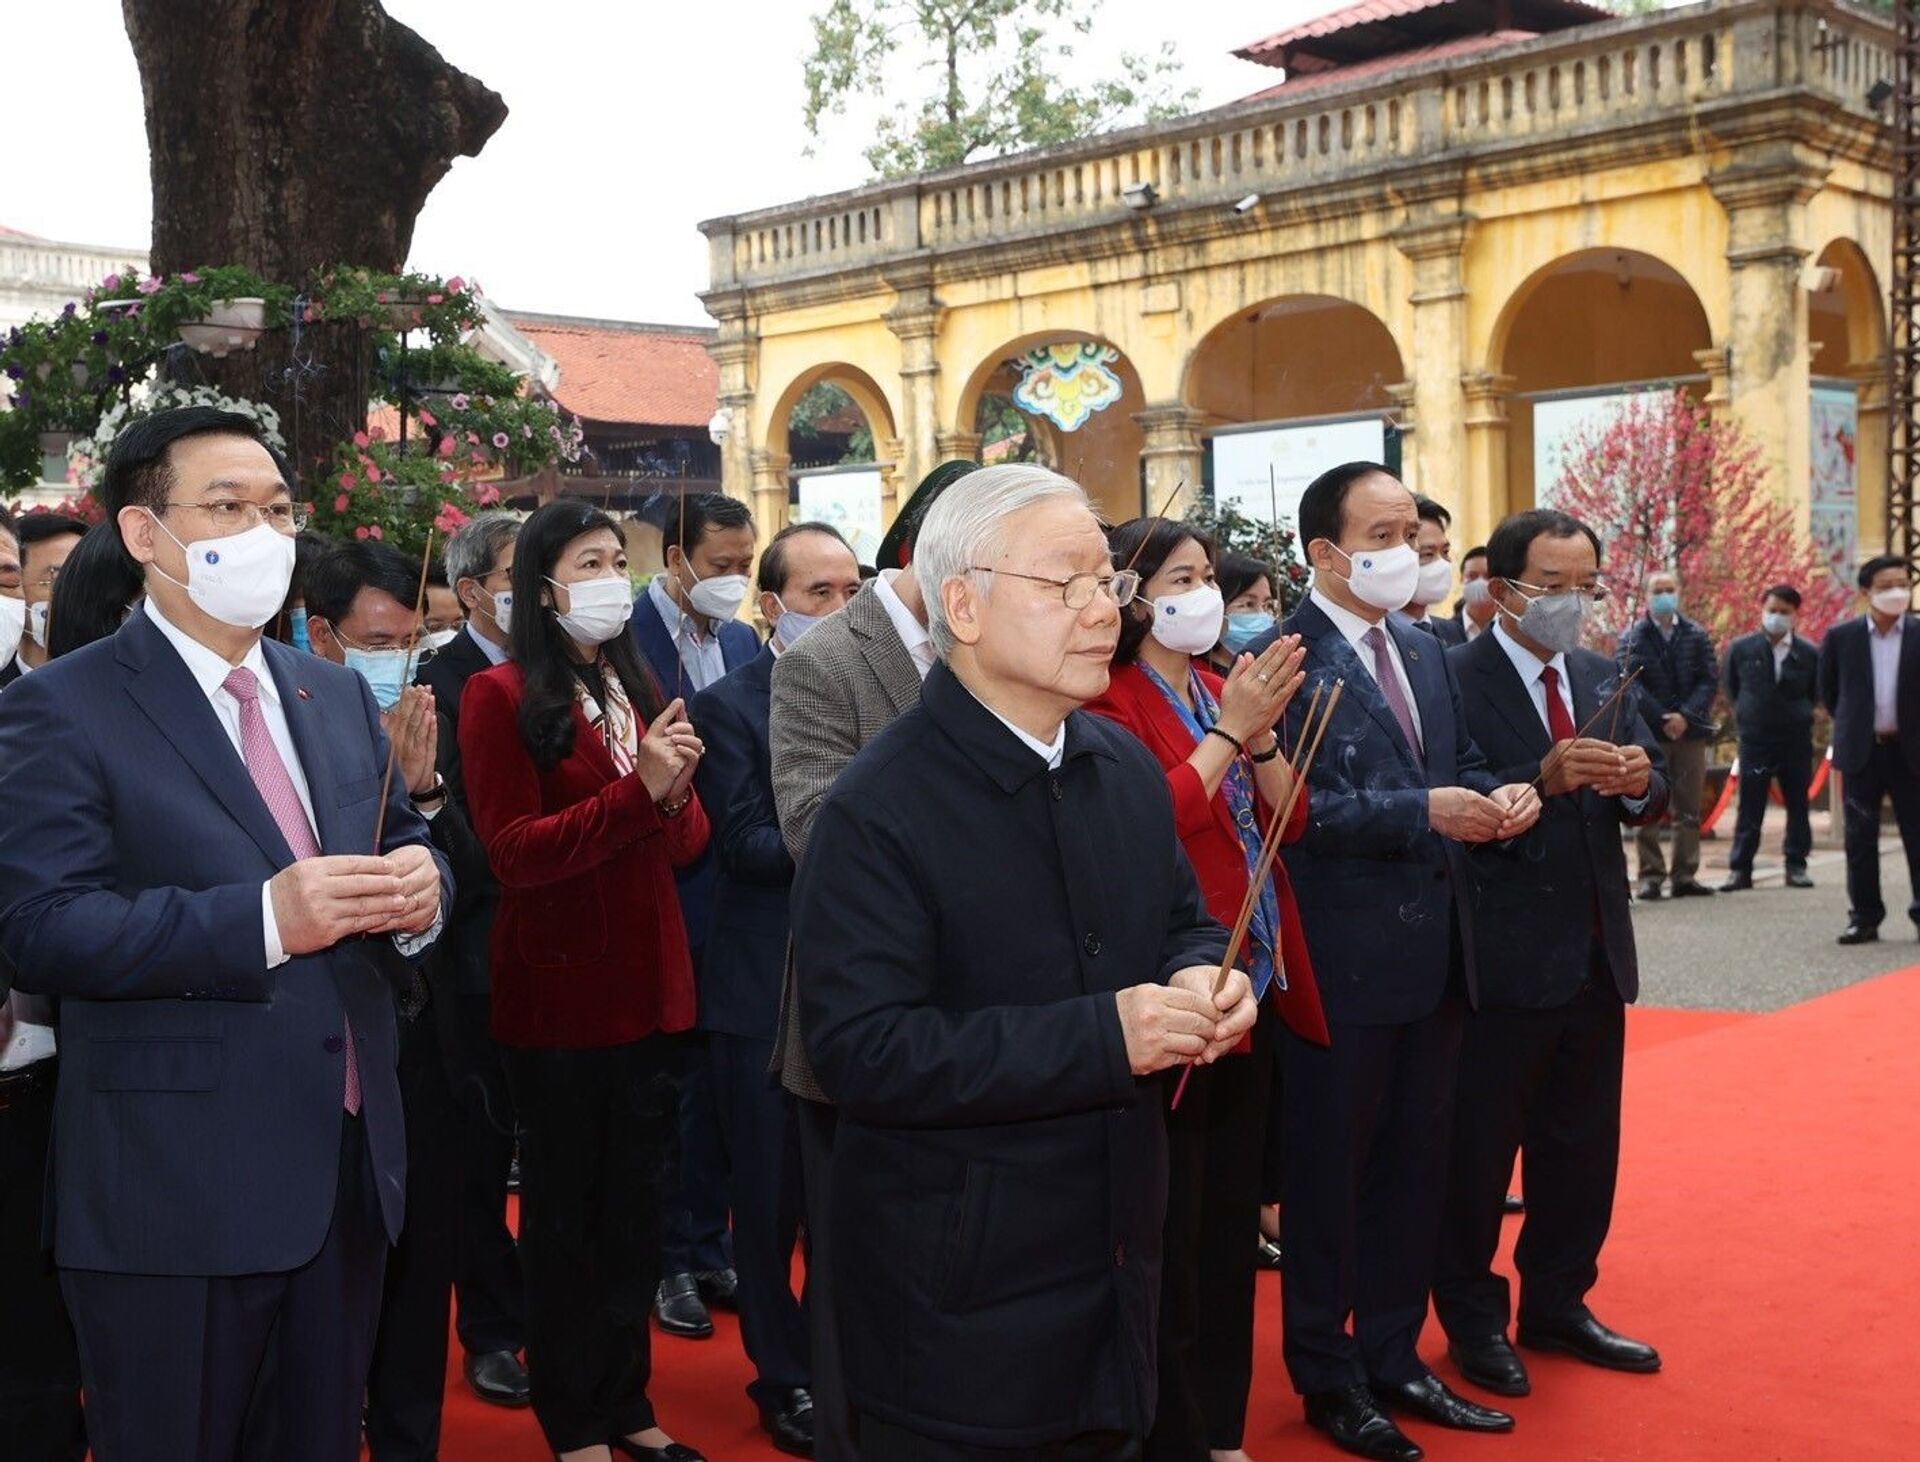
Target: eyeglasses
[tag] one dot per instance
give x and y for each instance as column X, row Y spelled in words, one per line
column 1078, row 591
column 231, row 515
column 422, row 653
column 1592, row 593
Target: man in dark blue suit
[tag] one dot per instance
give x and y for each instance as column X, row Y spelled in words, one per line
column 1870, row 685
column 684, row 624
column 190, row 861
column 1541, row 1061
column 805, row 574
column 1380, row 876
column 1435, row 582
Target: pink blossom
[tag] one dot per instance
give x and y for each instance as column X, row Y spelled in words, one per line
column 456, row 284
column 446, row 446
column 111, row 282
column 349, row 481
column 152, row 284
column 486, row 494
column 473, row 439
column 363, row 532
column 434, row 299
column 450, row 519
column 378, row 433
column 500, row 440
column 340, row 503
column 460, row 402
column 189, row 278
column 427, row 418
column 376, row 532
column 360, row 439
column 373, row 474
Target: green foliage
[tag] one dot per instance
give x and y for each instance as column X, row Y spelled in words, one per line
column 404, row 376
column 382, row 491
column 447, row 308
column 994, row 87
column 999, row 420
column 1272, row 543
column 820, row 404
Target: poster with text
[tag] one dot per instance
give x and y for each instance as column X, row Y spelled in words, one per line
column 1262, row 468
column 848, row 499
column 1833, row 480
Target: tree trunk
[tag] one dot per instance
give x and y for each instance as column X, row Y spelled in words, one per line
column 288, row 137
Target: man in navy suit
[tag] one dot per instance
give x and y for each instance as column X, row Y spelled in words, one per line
column 685, row 626
column 1541, row 1061
column 805, row 574
column 189, row 861
column 1435, row 582
column 1380, row 875
column 1870, row 685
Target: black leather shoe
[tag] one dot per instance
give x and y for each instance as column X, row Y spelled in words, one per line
column 672, row 1452
column 1797, row 878
column 1266, row 1254
column 790, row 1424
column 1513, row 1203
column 1649, row 892
column 497, row 1376
column 720, row 1288
column 1692, row 890
column 1585, row 1338
column 1429, row 1399
column 1491, row 1365
column 1736, row 883
column 679, row 1308
column 1358, row 1425
column 1859, row 934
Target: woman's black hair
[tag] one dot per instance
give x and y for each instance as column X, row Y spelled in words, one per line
column 1145, row 545
column 541, row 648
column 1236, row 573
column 96, row 584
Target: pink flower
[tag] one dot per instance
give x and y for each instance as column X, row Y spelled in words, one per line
column 189, row 278
column 313, row 313
column 373, row 474
column 479, row 458
column 152, row 284
column 450, row 519
column 473, row 439
column 434, row 299
column 349, row 481
column 340, row 503
column 363, row 532
column 456, row 284
column 427, row 418
column 486, row 494
column 500, row 440
column 384, row 297
column 378, row 433
column 112, row 281
column 376, row 532
column 360, row 439
column 446, row 446
column 460, row 402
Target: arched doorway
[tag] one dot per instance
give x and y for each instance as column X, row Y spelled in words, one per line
column 1289, row 388
column 1847, row 470
column 1068, row 399
column 830, row 457
column 1579, row 333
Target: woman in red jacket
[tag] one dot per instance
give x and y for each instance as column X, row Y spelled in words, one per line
column 580, row 786
column 1217, row 741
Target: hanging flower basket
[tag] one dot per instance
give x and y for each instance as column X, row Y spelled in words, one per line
column 235, row 324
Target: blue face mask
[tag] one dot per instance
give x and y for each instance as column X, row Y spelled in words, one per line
column 297, row 629
column 1666, row 603
column 385, row 671
column 1244, row 628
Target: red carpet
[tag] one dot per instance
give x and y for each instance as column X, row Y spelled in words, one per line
column 1766, row 1238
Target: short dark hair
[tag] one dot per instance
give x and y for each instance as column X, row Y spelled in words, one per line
column 32, row 528
column 437, row 575
column 6, row 521
column 1882, row 561
column 771, row 577
column 1479, row 550
column 96, row 585
column 337, row 579
column 1507, row 549
column 1323, row 505
column 1785, row 593
column 1235, row 573
column 138, row 473
column 693, row 513
column 1430, row 511
column 1145, row 545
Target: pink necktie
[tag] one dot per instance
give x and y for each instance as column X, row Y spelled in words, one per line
column 1383, row 671
column 271, row 779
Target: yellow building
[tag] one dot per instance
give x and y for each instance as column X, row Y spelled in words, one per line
column 1450, row 227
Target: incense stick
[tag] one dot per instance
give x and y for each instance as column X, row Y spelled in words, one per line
column 1554, row 757
column 393, row 746
column 1147, row 537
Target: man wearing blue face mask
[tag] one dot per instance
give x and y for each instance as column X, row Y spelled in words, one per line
column 806, row 573
column 1679, row 676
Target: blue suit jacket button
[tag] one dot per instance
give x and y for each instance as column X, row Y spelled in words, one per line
column 332, row 1043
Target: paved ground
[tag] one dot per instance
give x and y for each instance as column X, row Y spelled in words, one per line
column 1772, row 946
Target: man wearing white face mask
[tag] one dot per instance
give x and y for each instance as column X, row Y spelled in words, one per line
column 45, row 540
column 189, row 860
column 1435, row 580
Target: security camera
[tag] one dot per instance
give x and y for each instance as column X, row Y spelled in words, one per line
column 1140, row 196
column 1247, row 204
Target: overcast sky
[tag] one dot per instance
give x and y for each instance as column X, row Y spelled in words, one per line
column 629, row 122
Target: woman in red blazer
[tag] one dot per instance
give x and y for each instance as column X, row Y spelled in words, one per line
column 1216, row 739
column 580, row 786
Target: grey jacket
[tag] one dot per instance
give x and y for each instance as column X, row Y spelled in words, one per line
column 833, row 692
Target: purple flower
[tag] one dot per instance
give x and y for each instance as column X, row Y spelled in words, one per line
column 69, row 309
column 112, row 281
column 22, row 398
column 500, row 439
column 115, row 375
column 99, row 337
column 15, row 371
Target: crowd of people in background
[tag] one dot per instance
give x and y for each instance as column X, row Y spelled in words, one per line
column 338, row 905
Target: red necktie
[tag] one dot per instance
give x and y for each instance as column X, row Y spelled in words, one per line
column 275, row 785
column 1559, row 719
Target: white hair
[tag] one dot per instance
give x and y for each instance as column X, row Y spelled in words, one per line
column 965, row 529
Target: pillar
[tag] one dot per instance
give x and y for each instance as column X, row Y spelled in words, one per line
column 950, row 446
column 1717, row 362
column 1870, row 457
column 886, row 456
column 772, row 492
column 915, row 323
column 733, row 352
column 1435, row 243
column 1485, row 495
column 1172, row 457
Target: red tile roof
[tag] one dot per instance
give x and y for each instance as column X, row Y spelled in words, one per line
column 623, row 372
column 1373, row 28
column 14, row 233
column 1298, row 82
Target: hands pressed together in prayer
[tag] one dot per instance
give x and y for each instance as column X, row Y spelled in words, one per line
column 1612, row 771
column 1184, row 1020
column 1469, row 817
column 670, row 753
column 1259, row 688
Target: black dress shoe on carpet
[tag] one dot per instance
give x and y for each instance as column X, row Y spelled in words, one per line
column 1266, row 1254
column 720, row 1288
column 1357, row 1425
column 679, row 1308
column 672, row 1452
column 1859, row 934
column 790, row 1424
column 1429, row 1399
column 1736, row 883
column 1585, row 1338
column 1513, row 1203
column 1692, row 890
column 1491, row 1364
column 497, row 1376
column 1648, row 892
column 1797, row 878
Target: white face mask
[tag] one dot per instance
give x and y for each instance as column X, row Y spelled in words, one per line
column 1892, row 601
column 1477, row 593
column 1382, row 577
column 241, row 581
column 1189, row 623
column 599, row 609
column 13, row 621
column 37, row 621
column 719, row 597
column 438, row 640
column 1435, row 580
column 1776, row 624
column 503, row 611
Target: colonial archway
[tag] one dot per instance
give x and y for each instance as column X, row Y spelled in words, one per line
column 1847, row 467
column 830, row 454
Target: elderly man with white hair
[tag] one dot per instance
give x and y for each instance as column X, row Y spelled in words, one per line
column 999, row 943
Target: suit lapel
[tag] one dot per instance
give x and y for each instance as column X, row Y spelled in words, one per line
column 884, row 650
column 1507, row 693
column 1331, row 647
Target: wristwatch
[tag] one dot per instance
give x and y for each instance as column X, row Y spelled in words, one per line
column 437, row 793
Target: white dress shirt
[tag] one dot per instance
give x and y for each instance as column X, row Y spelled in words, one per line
column 700, row 655
column 1353, row 628
column 1782, row 648
column 1886, row 675
column 1472, row 627
column 1529, row 666
column 913, row 634
column 495, row 655
column 1051, row 752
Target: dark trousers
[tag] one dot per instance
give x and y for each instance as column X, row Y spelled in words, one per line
column 599, row 1145
column 265, row 1367
column 832, row 1412
column 1366, row 1128
column 1791, row 766
column 1545, row 1084
column 40, row 1417
column 762, row 1143
column 489, row 1298
column 1885, row 775
column 1215, row 1139
column 697, row 1239
column 408, row 1379
column 883, row 1442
